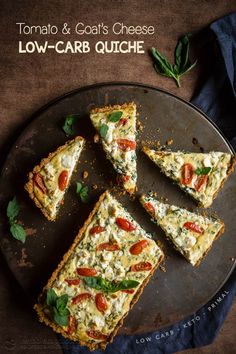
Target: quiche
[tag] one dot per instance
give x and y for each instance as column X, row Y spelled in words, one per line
column 201, row 175
column 49, row 180
column 116, row 126
column 100, row 277
column 191, row 234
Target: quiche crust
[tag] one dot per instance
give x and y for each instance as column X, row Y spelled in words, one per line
column 29, row 186
column 39, row 306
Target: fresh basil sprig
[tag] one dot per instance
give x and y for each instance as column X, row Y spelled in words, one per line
column 115, row 116
column 83, row 192
column 107, row 286
column 69, row 123
column 57, row 305
column 17, row 230
column 202, row 171
column 182, row 63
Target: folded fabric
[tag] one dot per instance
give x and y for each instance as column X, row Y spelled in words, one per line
column 217, row 98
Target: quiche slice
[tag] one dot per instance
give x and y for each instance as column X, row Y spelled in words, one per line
column 191, row 234
column 100, row 277
column 201, row 175
column 49, row 180
column 116, row 126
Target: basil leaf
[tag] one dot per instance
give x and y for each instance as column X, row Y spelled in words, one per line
column 105, row 285
column 68, row 126
column 84, row 194
column 60, row 319
column 103, row 130
column 115, row 116
column 127, row 284
column 61, row 303
column 51, row 297
column 182, row 63
column 202, row 171
column 13, row 209
column 18, row 232
column 78, row 187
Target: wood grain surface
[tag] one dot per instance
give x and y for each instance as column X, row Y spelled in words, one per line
column 30, row 81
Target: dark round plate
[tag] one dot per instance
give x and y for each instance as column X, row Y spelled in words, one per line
column 170, row 295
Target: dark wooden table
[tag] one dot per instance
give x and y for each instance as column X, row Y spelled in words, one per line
column 30, row 81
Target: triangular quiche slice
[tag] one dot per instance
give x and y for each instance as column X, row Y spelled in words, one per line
column 116, row 126
column 191, row 234
column 201, row 175
column 49, row 180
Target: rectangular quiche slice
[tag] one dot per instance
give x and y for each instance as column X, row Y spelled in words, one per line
column 49, row 180
column 116, row 126
column 200, row 175
column 191, row 234
column 100, row 277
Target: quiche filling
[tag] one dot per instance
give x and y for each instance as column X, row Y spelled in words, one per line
column 200, row 175
column 191, row 234
column 116, row 126
column 49, row 181
column 104, row 272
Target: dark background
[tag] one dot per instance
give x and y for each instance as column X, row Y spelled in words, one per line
column 28, row 81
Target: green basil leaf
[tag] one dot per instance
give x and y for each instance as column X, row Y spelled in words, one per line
column 18, row 232
column 51, row 297
column 103, row 130
column 105, row 285
column 13, row 209
column 182, row 63
column 61, row 320
column 182, row 53
column 79, row 186
column 84, row 196
column 68, row 126
column 127, row 284
column 202, row 171
column 61, row 303
column 115, row 116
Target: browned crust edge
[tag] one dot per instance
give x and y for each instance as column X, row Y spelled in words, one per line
column 39, row 307
column 221, row 231
column 29, row 186
column 106, row 109
column 146, row 149
column 112, row 107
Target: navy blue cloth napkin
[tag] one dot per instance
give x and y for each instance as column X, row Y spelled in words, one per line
column 217, row 98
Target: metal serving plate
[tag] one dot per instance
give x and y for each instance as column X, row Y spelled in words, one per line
column 170, row 295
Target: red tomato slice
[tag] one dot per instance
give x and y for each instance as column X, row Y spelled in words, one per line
column 128, row 291
column 141, row 267
column 149, row 207
column 200, row 182
column 101, row 302
column 73, row 281
column 122, row 122
column 86, row 272
column 193, row 227
column 108, row 246
column 126, row 145
column 72, row 325
column 138, row 247
column 125, row 224
column 96, row 334
column 187, row 173
column 121, row 179
column 62, row 180
column 38, row 180
column 96, row 230
column 80, row 298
